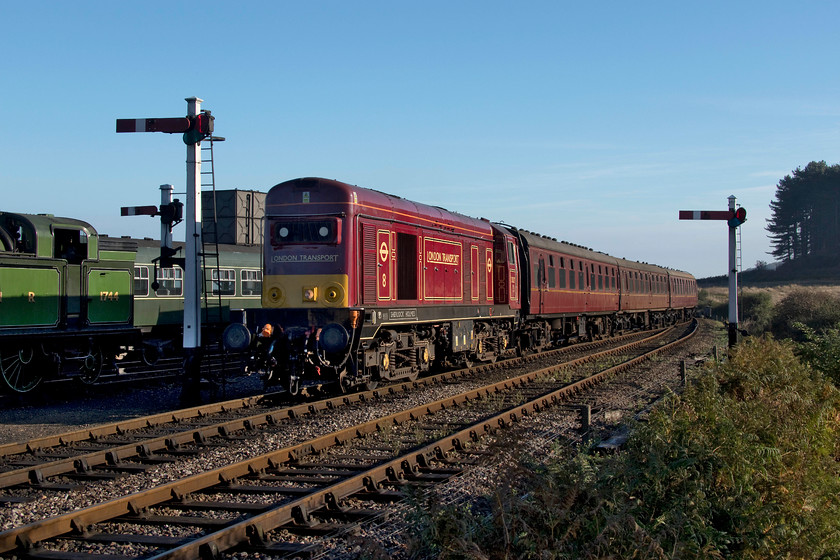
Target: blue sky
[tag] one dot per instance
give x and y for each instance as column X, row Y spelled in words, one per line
column 591, row 122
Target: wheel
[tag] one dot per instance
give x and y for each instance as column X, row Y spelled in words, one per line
column 20, row 369
column 369, row 386
column 91, row 366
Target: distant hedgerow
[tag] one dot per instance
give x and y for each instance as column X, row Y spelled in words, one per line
column 815, row 309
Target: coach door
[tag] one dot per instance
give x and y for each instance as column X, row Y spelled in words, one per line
column 406, row 266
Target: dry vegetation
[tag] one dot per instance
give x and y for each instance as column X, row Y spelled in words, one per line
column 720, row 295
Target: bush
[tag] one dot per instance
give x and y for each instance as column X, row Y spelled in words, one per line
column 817, row 310
column 821, row 350
column 742, row 465
column 756, row 311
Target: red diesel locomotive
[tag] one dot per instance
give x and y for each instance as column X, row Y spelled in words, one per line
column 361, row 286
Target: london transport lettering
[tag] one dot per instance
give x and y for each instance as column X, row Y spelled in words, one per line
column 304, row 258
column 436, row 257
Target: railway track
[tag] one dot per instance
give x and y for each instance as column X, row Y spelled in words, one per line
column 314, row 486
column 131, row 445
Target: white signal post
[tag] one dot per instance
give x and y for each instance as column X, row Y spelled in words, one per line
column 192, row 242
column 735, row 217
column 733, row 280
column 195, row 127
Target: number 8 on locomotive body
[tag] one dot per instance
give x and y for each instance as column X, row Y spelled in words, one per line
column 360, row 287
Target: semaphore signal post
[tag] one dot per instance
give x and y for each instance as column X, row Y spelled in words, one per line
column 196, row 126
column 734, row 217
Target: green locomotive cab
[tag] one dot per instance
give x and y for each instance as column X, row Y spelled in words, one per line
column 66, row 299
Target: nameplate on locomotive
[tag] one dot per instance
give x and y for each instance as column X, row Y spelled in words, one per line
column 401, row 314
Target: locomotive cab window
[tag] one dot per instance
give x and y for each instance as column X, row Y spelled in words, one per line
column 70, row 244
column 321, row 231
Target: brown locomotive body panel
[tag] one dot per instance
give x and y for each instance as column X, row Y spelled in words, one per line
column 394, row 252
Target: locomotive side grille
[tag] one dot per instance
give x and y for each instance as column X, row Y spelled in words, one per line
column 369, row 262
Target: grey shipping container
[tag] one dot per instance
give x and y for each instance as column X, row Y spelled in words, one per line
column 238, row 214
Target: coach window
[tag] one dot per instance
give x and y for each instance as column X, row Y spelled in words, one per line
column 171, row 281
column 581, row 284
column 571, row 274
column 251, row 282
column 141, row 281
column 551, row 277
column 224, row 282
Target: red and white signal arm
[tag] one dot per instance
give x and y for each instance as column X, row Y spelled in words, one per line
column 169, row 125
column 733, row 217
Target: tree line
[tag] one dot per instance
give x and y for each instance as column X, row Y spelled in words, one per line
column 805, row 215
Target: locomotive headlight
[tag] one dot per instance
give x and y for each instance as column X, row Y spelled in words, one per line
column 276, row 295
column 333, row 293
column 310, row 294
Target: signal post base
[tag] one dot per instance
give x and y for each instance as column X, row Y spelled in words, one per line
column 191, row 381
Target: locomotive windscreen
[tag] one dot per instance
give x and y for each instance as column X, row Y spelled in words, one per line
column 305, row 232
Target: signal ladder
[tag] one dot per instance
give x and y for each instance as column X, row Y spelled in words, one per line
column 210, row 240
column 213, row 281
